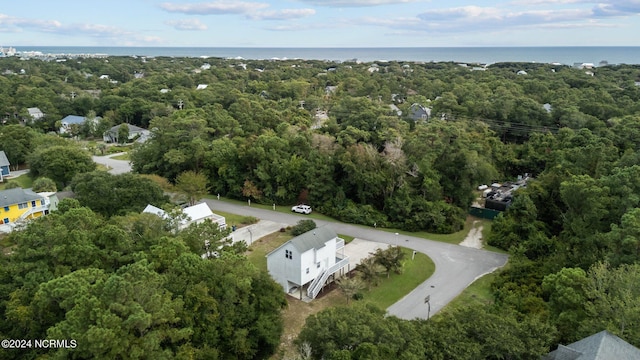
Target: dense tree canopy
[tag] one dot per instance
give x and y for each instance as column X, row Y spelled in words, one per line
column 128, row 288
column 110, row 195
column 325, row 134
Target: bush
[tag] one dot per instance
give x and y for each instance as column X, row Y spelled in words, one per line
column 43, row 184
column 248, row 220
column 11, row 185
column 302, row 227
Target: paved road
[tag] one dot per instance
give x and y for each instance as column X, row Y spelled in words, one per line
column 116, row 166
column 456, row 266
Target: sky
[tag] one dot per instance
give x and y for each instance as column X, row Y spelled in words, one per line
column 319, row 23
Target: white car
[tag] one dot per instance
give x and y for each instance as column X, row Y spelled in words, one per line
column 302, row 209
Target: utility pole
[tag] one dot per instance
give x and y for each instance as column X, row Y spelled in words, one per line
column 427, row 300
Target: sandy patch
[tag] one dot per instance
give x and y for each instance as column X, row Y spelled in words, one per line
column 474, row 237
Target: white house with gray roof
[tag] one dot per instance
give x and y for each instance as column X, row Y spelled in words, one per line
column 308, row 260
column 135, row 132
column 35, row 113
column 194, row 215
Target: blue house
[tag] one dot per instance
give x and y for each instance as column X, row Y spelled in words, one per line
column 4, row 165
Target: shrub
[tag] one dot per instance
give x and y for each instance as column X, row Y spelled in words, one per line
column 248, row 220
column 42, row 184
column 11, row 185
column 302, row 227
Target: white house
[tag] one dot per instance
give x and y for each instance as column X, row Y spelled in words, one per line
column 112, row 134
column 195, row 214
column 307, row 260
column 69, row 120
column 35, row 113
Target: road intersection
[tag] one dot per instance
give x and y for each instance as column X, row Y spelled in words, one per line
column 456, row 266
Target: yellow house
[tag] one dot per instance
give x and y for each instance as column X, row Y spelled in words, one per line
column 19, row 205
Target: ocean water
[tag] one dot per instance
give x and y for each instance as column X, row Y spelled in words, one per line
column 482, row 55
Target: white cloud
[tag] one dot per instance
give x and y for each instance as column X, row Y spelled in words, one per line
column 187, row 24
column 286, row 14
column 16, row 24
column 214, row 7
column 357, row 3
column 471, row 19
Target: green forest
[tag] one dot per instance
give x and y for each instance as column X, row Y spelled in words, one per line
column 346, row 138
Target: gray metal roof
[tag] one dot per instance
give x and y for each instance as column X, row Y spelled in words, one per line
column 600, row 346
column 16, row 196
column 314, row 239
column 3, row 159
column 132, row 128
column 74, row 119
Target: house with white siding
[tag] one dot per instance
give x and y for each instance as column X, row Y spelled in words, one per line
column 193, row 215
column 308, row 261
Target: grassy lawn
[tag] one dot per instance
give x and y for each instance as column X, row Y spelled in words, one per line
column 347, row 238
column 386, row 293
column 478, row 293
column 258, row 251
column 233, row 219
column 24, row 181
column 396, row 286
column 122, row 157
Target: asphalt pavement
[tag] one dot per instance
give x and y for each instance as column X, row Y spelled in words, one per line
column 456, row 266
column 115, row 166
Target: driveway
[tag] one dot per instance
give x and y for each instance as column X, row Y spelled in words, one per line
column 456, row 266
column 253, row 232
column 115, row 166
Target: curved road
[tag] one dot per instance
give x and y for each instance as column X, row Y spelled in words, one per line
column 456, row 266
column 116, row 166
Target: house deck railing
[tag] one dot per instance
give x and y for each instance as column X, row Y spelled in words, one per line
column 31, row 211
column 339, row 243
column 317, row 283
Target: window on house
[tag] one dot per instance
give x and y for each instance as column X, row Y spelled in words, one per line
column 318, row 265
column 288, row 254
column 6, row 208
column 23, row 206
column 33, row 203
column 6, row 220
column 307, row 270
column 42, row 202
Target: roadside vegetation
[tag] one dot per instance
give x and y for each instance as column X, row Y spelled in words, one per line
column 296, row 132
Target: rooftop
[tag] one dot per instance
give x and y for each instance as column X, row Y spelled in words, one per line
column 17, row 196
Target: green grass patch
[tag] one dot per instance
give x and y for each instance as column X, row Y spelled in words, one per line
column 122, row 157
column 114, row 149
column 24, row 181
column 257, row 253
column 478, row 293
column 396, row 286
column 233, row 219
column 347, row 238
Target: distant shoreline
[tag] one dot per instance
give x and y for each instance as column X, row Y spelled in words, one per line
column 567, row 55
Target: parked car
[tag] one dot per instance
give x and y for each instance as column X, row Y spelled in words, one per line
column 302, row 209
